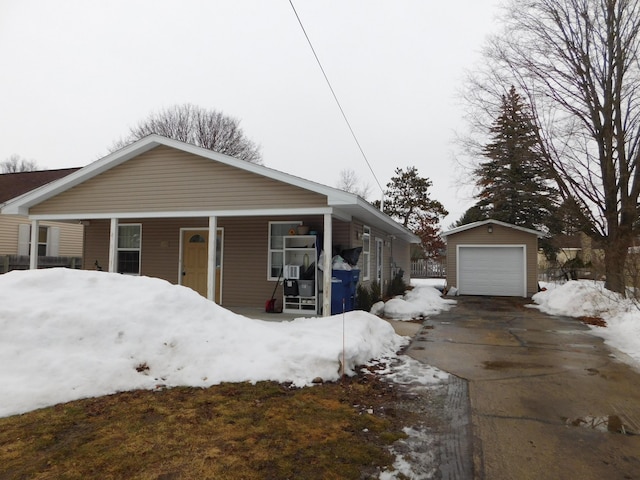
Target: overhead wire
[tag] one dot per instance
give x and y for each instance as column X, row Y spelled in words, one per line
column 335, row 97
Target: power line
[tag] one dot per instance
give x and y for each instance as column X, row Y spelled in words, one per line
column 335, row 97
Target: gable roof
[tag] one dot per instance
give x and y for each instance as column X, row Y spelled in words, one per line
column 470, row 226
column 344, row 204
column 15, row 184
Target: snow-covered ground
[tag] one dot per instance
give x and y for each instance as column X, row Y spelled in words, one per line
column 69, row 334
column 586, row 298
column 423, row 300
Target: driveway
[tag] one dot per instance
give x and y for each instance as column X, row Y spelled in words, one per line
column 547, row 399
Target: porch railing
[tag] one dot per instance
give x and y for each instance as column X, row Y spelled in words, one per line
column 21, row 262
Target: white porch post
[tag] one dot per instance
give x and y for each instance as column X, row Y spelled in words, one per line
column 113, row 245
column 33, row 250
column 326, row 265
column 211, row 259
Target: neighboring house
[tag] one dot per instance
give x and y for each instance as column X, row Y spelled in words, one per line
column 54, row 239
column 493, row 258
column 149, row 207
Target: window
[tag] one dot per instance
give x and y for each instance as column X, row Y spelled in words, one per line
column 43, row 234
column 128, row 250
column 277, row 230
column 366, row 252
column 48, row 240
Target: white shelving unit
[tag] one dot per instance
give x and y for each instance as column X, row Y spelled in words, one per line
column 299, row 254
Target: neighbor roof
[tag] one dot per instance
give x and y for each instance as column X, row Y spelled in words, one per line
column 344, row 203
column 469, row 226
column 15, row 184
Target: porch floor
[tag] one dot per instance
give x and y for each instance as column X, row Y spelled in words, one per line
column 259, row 314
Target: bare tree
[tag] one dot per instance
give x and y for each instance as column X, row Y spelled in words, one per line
column 15, row 164
column 350, row 182
column 198, row 126
column 577, row 61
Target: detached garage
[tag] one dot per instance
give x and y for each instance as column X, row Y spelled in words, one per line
column 493, row 258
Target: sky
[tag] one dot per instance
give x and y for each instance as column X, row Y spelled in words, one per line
column 77, row 75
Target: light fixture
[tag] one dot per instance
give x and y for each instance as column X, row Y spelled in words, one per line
column 490, row 229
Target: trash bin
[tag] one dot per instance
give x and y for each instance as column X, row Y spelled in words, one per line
column 343, row 288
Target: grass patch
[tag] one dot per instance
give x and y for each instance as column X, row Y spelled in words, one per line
column 229, row 431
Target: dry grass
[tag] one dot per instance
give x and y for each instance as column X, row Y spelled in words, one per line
column 230, row 431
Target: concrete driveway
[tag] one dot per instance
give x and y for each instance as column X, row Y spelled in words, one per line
column 547, row 399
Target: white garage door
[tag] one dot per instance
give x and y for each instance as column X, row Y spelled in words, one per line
column 491, row 271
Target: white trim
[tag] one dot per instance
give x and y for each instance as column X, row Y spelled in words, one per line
column 211, row 259
column 347, row 204
column 117, row 251
column 509, row 245
column 379, row 273
column 20, row 205
column 187, row 214
column 326, row 265
column 470, row 226
column 113, row 244
column 366, row 254
column 33, row 248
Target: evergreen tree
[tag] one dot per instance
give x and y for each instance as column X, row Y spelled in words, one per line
column 408, row 201
column 515, row 186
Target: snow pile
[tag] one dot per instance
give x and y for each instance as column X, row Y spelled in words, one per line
column 591, row 299
column 421, row 301
column 69, row 334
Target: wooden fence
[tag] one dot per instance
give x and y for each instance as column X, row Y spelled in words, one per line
column 21, row 262
column 428, row 268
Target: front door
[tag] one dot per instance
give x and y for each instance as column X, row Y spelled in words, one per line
column 195, row 245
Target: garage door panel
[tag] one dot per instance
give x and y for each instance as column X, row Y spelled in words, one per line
column 491, row 271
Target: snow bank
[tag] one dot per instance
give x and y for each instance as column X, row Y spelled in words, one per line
column 421, row 301
column 588, row 298
column 69, row 334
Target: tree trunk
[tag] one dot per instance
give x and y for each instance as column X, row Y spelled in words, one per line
column 615, row 257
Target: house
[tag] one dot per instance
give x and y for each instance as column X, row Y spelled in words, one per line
column 148, row 210
column 493, row 258
column 57, row 242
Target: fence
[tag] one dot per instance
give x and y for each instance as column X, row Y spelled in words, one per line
column 21, row 262
column 428, row 268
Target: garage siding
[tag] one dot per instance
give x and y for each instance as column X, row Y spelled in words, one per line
column 500, row 235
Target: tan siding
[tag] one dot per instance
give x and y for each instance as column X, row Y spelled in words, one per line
column 500, row 236
column 9, row 234
column 165, row 179
column 96, row 245
column 401, row 256
column 70, row 236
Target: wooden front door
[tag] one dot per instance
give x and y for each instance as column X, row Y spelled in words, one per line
column 195, row 244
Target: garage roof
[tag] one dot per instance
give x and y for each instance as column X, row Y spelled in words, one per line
column 491, row 221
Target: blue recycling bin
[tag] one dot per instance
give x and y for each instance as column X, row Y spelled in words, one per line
column 343, row 289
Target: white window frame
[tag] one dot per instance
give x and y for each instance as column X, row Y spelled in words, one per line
column 380, row 262
column 271, row 250
column 50, row 244
column 129, row 249
column 366, row 252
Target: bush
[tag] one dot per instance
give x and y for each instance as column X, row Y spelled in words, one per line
column 363, row 299
column 397, row 285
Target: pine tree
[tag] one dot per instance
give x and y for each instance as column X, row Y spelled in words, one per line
column 408, row 201
column 515, row 186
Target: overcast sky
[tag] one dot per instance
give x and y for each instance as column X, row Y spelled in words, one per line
column 77, row 74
